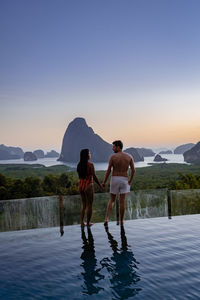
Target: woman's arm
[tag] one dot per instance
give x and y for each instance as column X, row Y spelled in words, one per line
column 95, row 177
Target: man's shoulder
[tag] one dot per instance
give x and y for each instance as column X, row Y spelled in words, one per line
column 127, row 155
column 113, row 155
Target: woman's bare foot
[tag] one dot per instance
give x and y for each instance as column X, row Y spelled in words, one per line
column 83, row 224
column 105, row 223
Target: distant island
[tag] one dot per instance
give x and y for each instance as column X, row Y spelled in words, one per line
column 52, row 153
column 183, row 148
column 159, row 158
column 37, row 154
column 193, row 155
column 166, row 152
column 145, row 152
column 133, row 151
column 29, row 156
column 79, row 135
column 9, row 153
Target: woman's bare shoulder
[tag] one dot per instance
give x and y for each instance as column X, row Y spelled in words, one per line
column 90, row 164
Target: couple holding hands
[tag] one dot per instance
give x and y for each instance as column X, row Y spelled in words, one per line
column 119, row 164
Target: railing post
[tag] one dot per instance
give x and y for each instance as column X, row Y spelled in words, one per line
column 61, row 214
column 169, row 204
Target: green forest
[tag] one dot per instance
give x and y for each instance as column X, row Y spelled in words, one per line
column 25, row 181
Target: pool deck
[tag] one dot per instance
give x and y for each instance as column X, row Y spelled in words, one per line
column 154, row 258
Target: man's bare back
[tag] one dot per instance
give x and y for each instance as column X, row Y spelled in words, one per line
column 120, row 163
column 120, row 183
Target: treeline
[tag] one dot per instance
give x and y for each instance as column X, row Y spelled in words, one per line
column 49, row 185
column 36, row 187
column 187, row 181
column 67, row 184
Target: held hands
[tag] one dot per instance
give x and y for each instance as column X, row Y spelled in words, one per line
column 103, row 185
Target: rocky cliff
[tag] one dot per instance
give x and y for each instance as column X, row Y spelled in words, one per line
column 79, row 136
column 132, row 151
column 145, row 152
column 5, row 155
column 159, row 158
column 166, row 152
column 52, row 154
column 29, row 156
column 39, row 153
column 193, row 155
column 182, row 148
column 7, row 152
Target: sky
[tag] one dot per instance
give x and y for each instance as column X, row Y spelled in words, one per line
column 131, row 68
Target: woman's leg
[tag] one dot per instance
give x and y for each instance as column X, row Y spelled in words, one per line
column 89, row 202
column 84, row 202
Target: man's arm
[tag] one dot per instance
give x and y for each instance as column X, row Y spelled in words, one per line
column 132, row 171
column 107, row 172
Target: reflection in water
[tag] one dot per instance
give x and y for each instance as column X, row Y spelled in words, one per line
column 91, row 273
column 61, row 214
column 169, row 202
column 122, row 267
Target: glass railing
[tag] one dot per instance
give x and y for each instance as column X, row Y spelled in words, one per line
column 61, row 211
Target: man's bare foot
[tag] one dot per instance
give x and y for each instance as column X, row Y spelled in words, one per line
column 105, row 223
column 90, row 224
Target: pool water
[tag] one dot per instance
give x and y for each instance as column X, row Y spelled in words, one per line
column 145, row 259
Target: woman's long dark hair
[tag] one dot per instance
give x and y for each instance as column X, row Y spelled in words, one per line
column 83, row 163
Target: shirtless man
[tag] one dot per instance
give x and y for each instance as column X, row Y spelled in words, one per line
column 119, row 183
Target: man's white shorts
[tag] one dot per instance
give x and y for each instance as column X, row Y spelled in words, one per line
column 119, row 185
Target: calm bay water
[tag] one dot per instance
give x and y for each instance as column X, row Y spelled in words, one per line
column 172, row 158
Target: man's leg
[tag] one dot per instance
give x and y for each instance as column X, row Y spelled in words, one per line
column 122, row 207
column 109, row 207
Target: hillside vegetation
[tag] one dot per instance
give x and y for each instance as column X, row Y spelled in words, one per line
column 23, row 180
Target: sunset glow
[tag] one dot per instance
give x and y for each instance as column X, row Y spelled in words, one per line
column 130, row 69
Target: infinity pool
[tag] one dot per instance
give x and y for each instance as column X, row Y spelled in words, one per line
column 146, row 259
